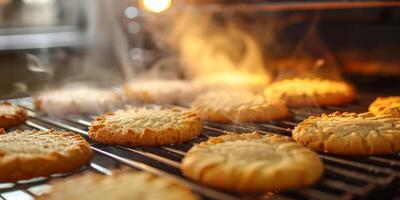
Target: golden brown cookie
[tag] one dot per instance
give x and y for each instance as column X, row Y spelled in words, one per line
column 252, row 163
column 311, row 92
column 11, row 115
column 78, row 100
column 238, row 106
column 350, row 134
column 160, row 91
column 145, row 127
column 123, row 186
column 386, row 106
column 233, row 81
column 28, row 154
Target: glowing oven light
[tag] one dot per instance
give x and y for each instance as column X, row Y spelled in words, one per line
column 156, row 6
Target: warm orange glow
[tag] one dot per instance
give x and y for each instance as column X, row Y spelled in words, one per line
column 235, row 79
column 156, row 6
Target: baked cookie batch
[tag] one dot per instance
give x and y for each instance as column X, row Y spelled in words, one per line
column 28, row 154
column 247, row 162
column 11, row 115
column 252, row 163
column 350, row 134
column 78, row 100
column 386, row 106
column 311, row 92
column 238, row 106
column 159, row 91
column 146, row 127
column 130, row 185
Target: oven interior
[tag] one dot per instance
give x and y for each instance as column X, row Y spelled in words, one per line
column 356, row 41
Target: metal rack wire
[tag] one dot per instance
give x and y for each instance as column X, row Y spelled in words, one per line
column 344, row 178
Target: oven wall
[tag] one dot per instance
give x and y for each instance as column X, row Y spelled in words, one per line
column 75, row 46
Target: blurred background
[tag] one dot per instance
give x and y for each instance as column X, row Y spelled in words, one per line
column 45, row 43
column 48, row 43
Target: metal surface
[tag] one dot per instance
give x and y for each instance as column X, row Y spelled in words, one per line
column 41, row 40
column 344, row 178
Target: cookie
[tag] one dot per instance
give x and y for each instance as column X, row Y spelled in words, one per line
column 374, row 62
column 232, row 80
column 350, row 134
column 145, row 127
column 78, row 100
column 252, row 163
column 29, row 154
column 128, row 185
column 372, row 67
column 238, row 106
column 311, row 92
column 386, row 106
column 159, row 91
column 11, row 115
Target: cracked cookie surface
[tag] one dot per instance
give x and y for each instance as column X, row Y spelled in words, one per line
column 252, row 162
column 28, row 154
column 238, row 106
column 386, row 106
column 311, row 92
column 128, row 185
column 350, row 134
column 146, row 127
column 11, row 115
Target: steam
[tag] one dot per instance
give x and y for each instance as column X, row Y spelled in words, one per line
column 194, row 44
column 79, row 99
column 36, row 65
column 226, row 49
column 96, row 63
column 311, row 58
column 20, row 88
column 165, row 68
column 213, row 43
column 120, row 42
column 206, row 45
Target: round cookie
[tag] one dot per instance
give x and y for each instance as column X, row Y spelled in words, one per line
column 29, row 154
column 160, row 91
column 386, row 106
column 11, row 115
column 350, row 134
column 130, row 185
column 238, row 106
column 78, row 100
column 232, row 80
column 311, row 92
column 145, row 127
column 252, row 163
